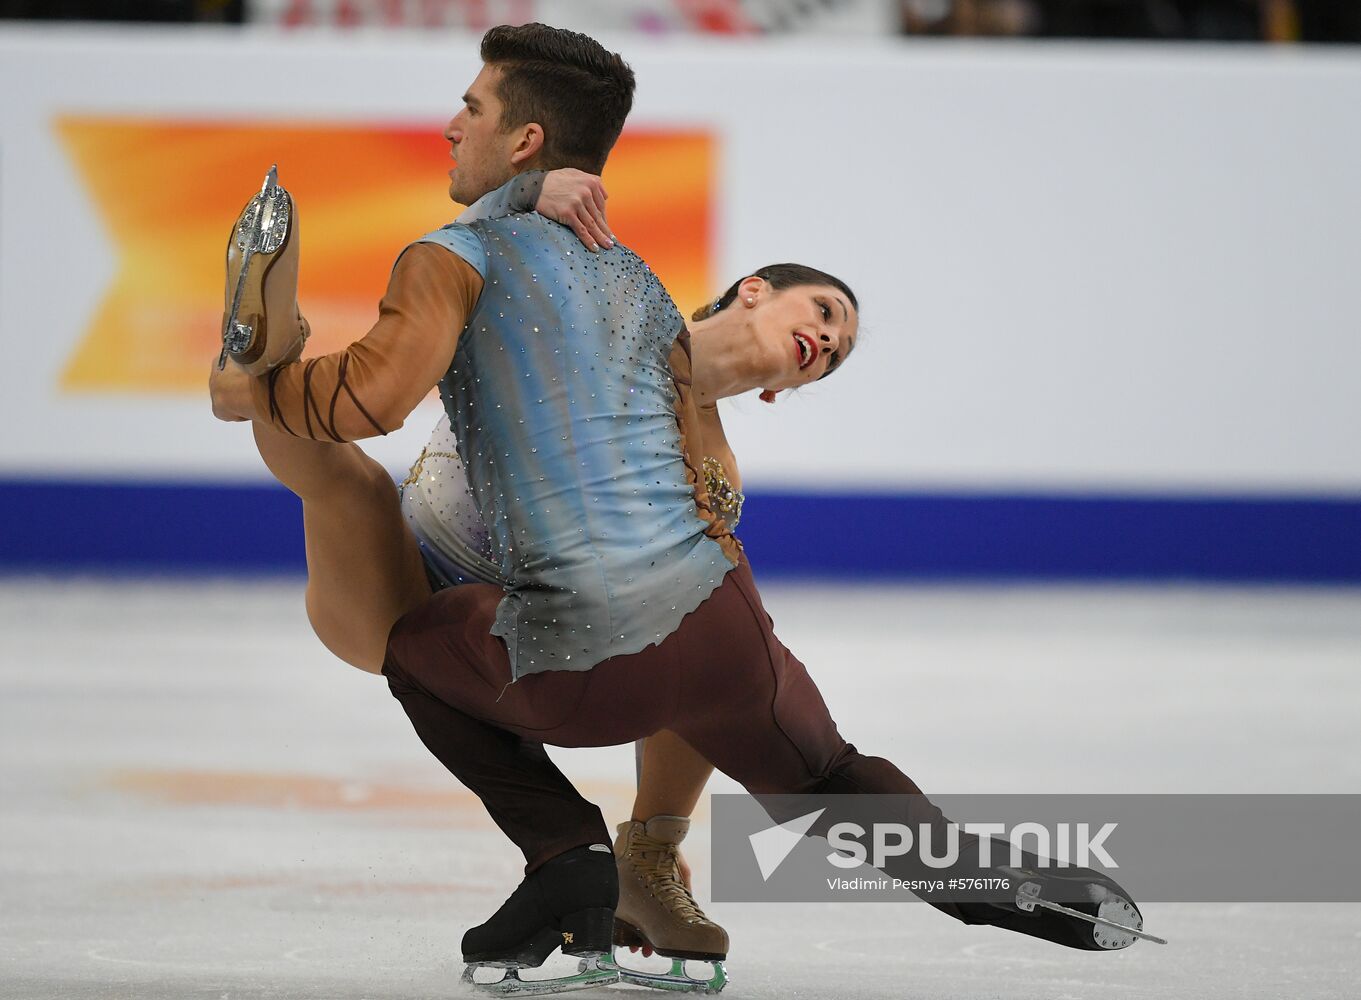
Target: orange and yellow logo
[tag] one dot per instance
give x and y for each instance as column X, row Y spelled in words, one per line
column 169, row 192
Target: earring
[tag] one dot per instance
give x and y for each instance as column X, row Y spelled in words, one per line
column 750, row 301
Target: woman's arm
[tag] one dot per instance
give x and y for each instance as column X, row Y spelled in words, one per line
column 566, row 195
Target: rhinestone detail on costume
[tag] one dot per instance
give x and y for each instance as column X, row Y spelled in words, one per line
column 725, row 499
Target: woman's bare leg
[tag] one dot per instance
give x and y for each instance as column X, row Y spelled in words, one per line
column 672, row 778
column 670, row 782
column 364, row 569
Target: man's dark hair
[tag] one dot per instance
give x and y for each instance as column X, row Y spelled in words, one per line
column 567, row 82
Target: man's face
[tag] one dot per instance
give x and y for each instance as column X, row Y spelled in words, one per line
column 481, row 151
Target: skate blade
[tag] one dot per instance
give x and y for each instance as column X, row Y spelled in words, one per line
column 1110, row 934
column 677, row 980
column 595, row 970
column 262, row 228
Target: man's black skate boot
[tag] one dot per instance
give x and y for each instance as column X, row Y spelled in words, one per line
column 1075, row 907
column 566, row 903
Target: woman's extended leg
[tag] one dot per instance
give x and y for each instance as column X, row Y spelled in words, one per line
column 364, row 569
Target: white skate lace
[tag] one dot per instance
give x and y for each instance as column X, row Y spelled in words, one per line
column 658, row 865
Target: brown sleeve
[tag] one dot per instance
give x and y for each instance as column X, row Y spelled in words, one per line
column 692, row 446
column 369, row 388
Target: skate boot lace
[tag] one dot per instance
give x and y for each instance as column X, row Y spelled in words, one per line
column 658, row 865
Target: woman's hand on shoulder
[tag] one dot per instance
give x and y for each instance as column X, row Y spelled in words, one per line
column 577, row 200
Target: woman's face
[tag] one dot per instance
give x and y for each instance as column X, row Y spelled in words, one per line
column 801, row 333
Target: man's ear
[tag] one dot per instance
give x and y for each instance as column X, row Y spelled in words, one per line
column 528, row 144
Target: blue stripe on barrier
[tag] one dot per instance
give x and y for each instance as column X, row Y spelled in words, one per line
column 77, row 526
column 1075, row 537
column 125, row 528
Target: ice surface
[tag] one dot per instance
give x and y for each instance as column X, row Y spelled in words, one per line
column 196, row 800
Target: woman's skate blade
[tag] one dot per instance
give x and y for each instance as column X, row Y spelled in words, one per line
column 678, row 979
column 657, row 912
column 260, row 239
column 593, row 971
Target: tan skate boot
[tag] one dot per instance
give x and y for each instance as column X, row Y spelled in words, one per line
column 657, row 911
column 261, row 325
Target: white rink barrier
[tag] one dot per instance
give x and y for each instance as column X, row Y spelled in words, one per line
column 1083, row 268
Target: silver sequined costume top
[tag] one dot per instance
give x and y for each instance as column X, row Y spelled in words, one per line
column 440, row 510
column 561, row 401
